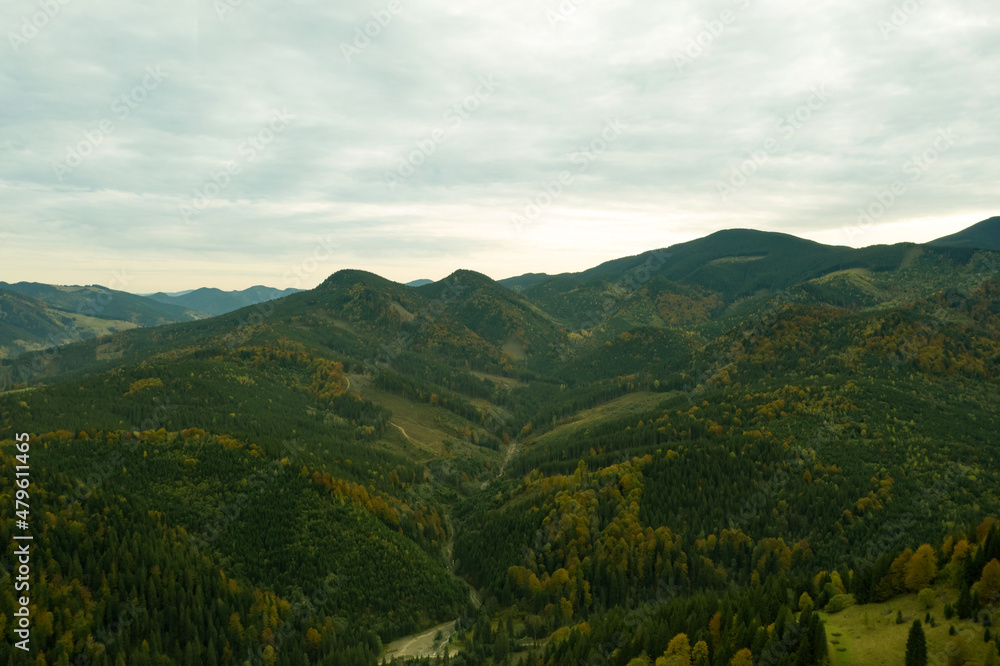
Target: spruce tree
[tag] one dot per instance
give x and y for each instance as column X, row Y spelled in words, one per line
column 916, row 646
column 964, row 608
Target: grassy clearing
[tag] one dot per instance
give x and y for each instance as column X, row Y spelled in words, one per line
column 95, row 326
column 431, row 643
column 414, row 424
column 627, row 405
column 20, row 390
column 846, row 271
column 497, row 379
column 423, row 425
column 736, row 260
column 869, row 635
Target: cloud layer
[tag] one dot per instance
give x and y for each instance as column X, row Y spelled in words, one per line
column 227, row 142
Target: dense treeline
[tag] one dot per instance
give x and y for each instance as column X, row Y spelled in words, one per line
column 198, row 503
column 794, row 429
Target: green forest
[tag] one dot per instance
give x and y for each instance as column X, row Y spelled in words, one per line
column 749, row 449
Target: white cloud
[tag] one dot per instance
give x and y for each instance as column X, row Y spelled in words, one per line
column 889, row 94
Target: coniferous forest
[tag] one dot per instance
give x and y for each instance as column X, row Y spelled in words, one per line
column 749, row 449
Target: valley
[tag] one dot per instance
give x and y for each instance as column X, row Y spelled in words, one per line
column 694, row 460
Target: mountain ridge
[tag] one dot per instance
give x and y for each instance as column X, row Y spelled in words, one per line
column 695, row 452
column 212, row 301
column 984, row 235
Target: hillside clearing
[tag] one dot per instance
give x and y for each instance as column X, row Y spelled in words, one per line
column 869, row 634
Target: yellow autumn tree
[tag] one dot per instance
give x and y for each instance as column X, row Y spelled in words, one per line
column 984, row 528
column 897, row 571
column 958, row 555
column 742, row 658
column 715, row 626
column 678, row 652
column 699, row 653
column 989, row 584
column 235, row 624
column 921, row 568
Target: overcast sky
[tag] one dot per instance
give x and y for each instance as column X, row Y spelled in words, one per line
column 229, row 143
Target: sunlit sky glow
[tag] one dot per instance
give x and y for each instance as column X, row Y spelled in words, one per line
column 116, row 115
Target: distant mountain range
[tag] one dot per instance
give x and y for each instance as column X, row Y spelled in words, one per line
column 172, row 293
column 720, row 268
column 36, row 316
column 103, row 303
column 215, row 301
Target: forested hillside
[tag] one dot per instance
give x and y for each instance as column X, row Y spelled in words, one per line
column 715, row 453
column 27, row 324
column 36, row 316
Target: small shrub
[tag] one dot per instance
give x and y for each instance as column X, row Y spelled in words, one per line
column 839, row 602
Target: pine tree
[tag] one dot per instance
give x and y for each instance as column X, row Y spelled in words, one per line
column 964, row 608
column 991, row 655
column 916, row 646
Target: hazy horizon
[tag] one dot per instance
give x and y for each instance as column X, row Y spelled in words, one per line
column 529, row 136
column 302, row 276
